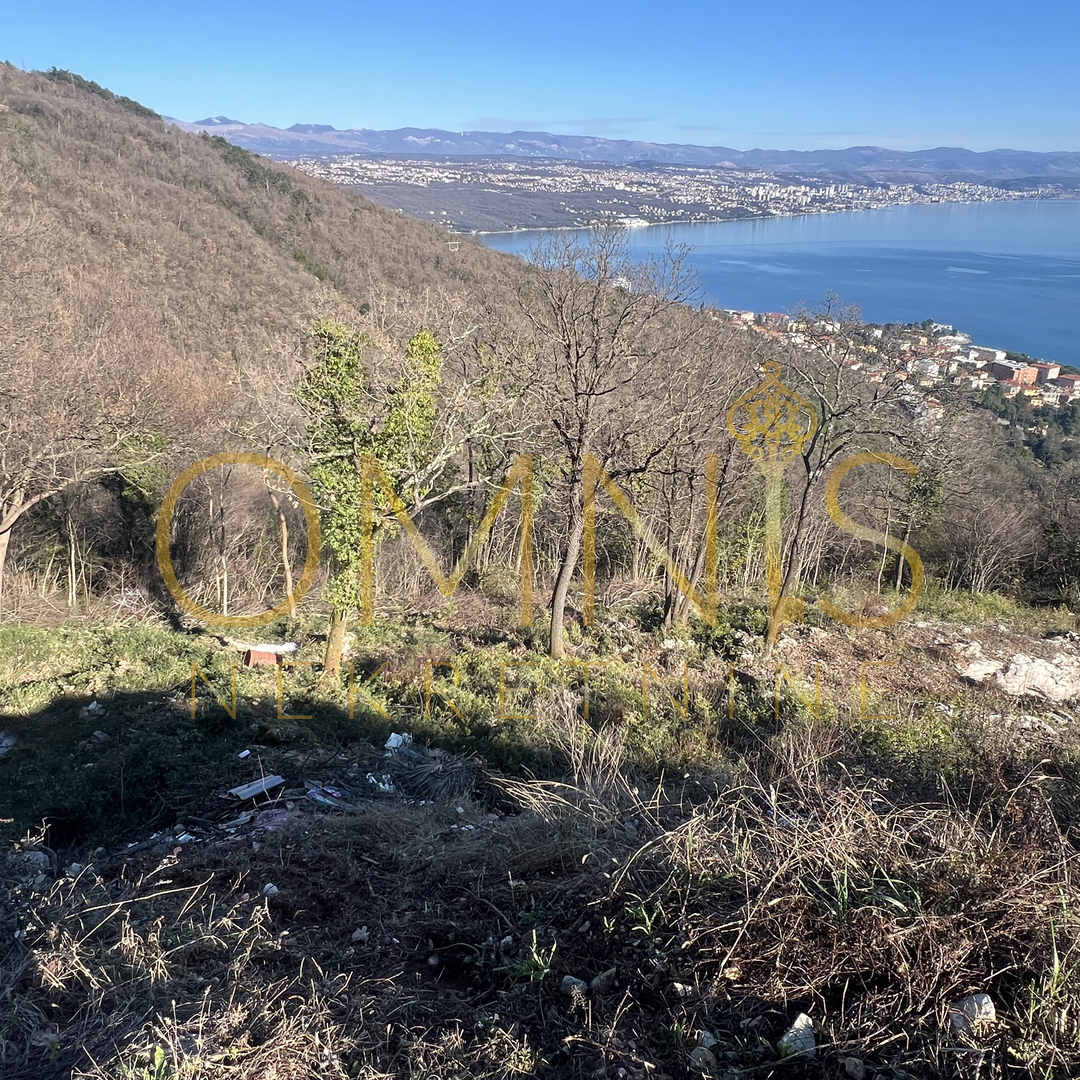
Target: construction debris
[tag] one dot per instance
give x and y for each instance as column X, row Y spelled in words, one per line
column 257, row 787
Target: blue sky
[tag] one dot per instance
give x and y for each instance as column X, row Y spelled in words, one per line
column 773, row 73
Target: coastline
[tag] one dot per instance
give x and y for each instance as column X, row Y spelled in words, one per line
column 1063, row 197
column 1007, row 275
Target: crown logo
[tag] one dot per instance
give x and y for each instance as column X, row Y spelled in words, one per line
column 771, row 422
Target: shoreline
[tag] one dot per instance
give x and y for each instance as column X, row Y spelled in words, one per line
column 1064, row 197
column 1030, row 329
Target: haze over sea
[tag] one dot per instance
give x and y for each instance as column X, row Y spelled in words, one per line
column 1008, row 273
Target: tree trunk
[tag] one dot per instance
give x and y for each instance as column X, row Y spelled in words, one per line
column 900, row 558
column 683, row 601
column 283, row 528
column 335, row 643
column 565, row 576
column 5, row 540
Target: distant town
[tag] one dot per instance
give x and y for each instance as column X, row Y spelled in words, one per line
column 504, row 194
column 940, row 361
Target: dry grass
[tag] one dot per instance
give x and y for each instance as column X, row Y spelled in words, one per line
column 725, row 903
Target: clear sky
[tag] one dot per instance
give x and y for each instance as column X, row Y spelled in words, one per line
column 771, row 73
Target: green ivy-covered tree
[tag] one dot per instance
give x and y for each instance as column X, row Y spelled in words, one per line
column 347, row 417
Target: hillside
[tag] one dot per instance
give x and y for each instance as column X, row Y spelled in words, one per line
column 204, row 251
column 155, row 282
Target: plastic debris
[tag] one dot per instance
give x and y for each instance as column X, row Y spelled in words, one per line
column 970, row 1011
column 362, row 934
column 396, row 742
column 385, row 786
column 334, row 798
column 257, row 787
column 243, row 819
column 243, row 754
column 268, row 821
column 185, row 838
column 799, row 1038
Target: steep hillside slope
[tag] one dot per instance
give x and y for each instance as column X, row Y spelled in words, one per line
column 207, row 250
column 148, row 274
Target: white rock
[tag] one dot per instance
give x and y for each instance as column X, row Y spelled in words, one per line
column 682, row 989
column 854, row 1068
column 799, row 1038
column 35, row 862
column 570, row 985
column 1056, row 680
column 980, row 670
column 270, row 889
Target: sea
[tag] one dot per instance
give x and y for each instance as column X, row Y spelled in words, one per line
column 1007, row 273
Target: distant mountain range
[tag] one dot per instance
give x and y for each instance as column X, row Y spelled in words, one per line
column 871, row 161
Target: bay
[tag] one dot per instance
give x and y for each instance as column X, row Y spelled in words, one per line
column 1008, row 273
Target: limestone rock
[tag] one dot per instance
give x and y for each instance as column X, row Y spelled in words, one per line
column 1056, row 680
column 971, row 1012
column 981, row 669
column 799, row 1038
column 702, row 1059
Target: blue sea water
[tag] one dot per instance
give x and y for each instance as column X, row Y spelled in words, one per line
column 1008, row 273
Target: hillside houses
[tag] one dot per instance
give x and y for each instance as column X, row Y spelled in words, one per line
column 933, row 354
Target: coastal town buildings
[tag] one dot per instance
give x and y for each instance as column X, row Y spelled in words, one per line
column 933, row 355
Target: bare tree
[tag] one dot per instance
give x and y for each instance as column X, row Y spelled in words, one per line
column 609, row 351
column 857, row 395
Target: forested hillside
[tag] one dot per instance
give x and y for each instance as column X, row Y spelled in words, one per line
column 157, row 300
column 151, row 277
